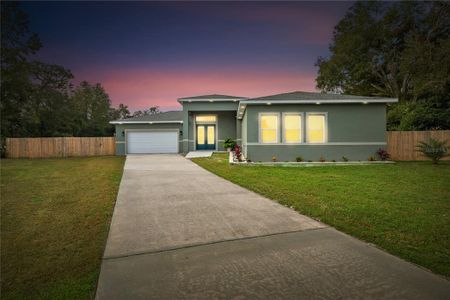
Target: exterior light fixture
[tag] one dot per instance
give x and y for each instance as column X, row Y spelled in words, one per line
column 123, row 133
column 268, row 103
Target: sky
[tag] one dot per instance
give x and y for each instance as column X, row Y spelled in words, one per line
column 151, row 53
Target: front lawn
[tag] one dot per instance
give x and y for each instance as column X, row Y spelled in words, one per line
column 55, row 216
column 403, row 207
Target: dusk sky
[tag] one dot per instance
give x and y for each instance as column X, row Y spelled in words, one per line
column 151, row 53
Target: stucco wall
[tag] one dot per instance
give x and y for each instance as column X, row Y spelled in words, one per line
column 354, row 130
column 120, row 133
column 226, row 127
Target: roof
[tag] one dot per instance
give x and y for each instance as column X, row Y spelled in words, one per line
column 305, row 97
column 163, row 117
column 211, row 97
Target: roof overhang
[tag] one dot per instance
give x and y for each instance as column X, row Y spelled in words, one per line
column 145, row 122
column 181, row 100
column 328, row 101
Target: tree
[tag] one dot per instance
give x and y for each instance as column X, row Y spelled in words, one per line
column 395, row 50
column 92, row 110
column 17, row 43
column 151, row 111
column 121, row 112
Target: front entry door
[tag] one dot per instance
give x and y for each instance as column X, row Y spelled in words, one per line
column 206, row 137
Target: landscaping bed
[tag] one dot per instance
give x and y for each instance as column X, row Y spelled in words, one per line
column 55, row 216
column 403, row 208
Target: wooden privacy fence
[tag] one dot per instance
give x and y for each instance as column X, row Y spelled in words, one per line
column 401, row 145
column 59, row 147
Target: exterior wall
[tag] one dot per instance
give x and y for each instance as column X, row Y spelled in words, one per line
column 244, row 134
column 355, row 131
column 226, row 121
column 120, row 134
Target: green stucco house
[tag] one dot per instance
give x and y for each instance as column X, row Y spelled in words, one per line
column 310, row 125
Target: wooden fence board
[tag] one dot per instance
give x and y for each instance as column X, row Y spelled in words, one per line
column 59, row 147
column 401, row 145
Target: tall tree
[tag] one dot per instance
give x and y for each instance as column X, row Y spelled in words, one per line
column 17, row 43
column 396, row 50
column 92, row 107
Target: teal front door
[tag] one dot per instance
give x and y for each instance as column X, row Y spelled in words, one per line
column 206, row 137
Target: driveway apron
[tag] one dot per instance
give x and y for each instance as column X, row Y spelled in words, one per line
column 179, row 231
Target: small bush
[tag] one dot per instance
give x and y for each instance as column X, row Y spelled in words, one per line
column 333, row 160
column 274, row 158
column 371, row 158
column 322, row 159
column 433, row 149
column 229, row 143
column 383, row 154
column 344, row 158
column 299, row 159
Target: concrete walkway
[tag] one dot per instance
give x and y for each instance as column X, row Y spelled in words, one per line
column 179, row 231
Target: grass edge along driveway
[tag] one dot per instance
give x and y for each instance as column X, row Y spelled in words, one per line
column 55, row 217
column 403, row 208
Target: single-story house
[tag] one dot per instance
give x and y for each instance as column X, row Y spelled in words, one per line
column 310, row 125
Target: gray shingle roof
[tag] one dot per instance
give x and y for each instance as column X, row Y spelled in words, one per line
column 309, row 96
column 212, row 97
column 169, row 116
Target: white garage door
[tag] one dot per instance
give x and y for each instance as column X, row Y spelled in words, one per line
column 152, row 142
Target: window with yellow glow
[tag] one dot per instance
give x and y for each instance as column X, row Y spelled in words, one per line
column 269, row 128
column 316, row 128
column 205, row 119
column 201, row 135
column 211, row 133
column 292, row 124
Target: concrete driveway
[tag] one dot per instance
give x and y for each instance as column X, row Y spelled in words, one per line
column 179, row 231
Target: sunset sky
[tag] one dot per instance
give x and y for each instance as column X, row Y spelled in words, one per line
column 151, row 53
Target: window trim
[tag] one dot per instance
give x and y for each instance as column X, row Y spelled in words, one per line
column 261, row 114
column 205, row 122
column 302, row 127
column 325, row 128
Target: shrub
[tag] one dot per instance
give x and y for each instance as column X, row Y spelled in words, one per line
column 229, row 143
column 344, row 158
column 333, row 160
column 383, row 154
column 371, row 158
column 299, row 159
column 274, row 158
column 433, row 149
column 322, row 159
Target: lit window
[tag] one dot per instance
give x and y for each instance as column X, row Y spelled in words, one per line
column 316, row 127
column 205, row 119
column 292, row 124
column 269, row 128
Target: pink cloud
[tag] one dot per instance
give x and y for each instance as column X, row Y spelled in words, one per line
column 144, row 88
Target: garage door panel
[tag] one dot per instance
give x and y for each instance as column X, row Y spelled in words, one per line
column 142, row 142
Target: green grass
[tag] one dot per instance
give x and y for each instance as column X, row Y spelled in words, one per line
column 403, row 208
column 55, row 216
